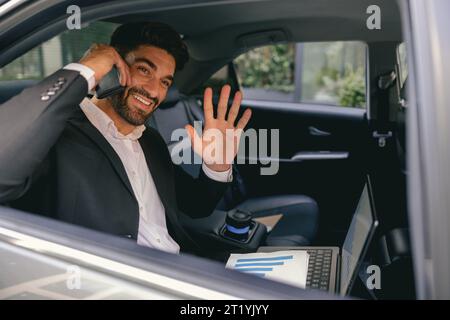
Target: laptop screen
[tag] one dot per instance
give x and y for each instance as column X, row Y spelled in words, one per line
column 357, row 240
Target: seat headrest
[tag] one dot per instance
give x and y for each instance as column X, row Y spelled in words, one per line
column 172, row 97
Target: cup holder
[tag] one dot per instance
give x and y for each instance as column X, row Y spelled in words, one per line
column 238, row 226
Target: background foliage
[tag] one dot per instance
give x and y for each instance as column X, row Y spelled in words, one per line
column 333, row 72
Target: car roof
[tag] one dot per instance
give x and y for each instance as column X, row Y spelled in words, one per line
column 218, row 31
column 213, row 28
column 215, row 31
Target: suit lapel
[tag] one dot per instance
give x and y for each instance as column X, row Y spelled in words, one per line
column 83, row 124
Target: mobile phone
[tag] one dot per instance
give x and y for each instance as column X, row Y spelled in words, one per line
column 109, row 85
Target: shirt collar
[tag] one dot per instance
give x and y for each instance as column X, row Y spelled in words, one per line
column 104, row 123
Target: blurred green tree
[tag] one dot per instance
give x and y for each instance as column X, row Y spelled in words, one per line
column 335, row 71
column 270, row 67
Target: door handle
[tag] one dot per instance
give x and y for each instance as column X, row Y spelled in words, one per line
column 319, row 155
column 302, row 156
column 313, row 131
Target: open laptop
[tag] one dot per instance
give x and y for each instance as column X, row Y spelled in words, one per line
column 327, row 269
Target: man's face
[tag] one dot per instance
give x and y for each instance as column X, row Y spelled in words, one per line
column 152, row 71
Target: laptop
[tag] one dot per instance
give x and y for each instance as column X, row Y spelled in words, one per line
column 335, row 272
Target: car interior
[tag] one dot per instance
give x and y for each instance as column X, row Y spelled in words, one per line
column 326, row 149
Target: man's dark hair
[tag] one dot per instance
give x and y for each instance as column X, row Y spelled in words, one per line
column 130, row 36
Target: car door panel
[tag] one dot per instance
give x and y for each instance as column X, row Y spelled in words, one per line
column 321, row 154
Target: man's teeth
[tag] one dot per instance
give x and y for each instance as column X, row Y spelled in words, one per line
column 147, row 103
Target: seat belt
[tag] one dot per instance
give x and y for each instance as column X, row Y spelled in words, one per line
column 384, row 84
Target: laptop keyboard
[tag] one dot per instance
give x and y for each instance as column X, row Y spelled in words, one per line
column 319, row 269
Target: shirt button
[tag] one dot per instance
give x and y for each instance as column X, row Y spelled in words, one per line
column 141, row 208
column 159, row 240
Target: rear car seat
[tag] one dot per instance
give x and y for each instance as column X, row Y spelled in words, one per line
column 298, row 225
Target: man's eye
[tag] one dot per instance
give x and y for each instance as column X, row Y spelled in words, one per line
column 143, row 70
column 166, row 84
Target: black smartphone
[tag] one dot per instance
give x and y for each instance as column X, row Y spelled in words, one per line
column 109, row 85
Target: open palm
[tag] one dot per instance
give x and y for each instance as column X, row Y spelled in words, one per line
column 219, row 143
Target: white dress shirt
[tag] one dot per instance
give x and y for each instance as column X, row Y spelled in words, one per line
column 152, row 219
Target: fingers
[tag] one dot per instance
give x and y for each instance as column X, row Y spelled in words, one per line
column 223, row 105
column 244, row 119
column 223, row 102
column 208, row 104
column 232, row 114
column 196, row 141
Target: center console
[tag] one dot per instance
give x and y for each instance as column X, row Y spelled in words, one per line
column 225, row 232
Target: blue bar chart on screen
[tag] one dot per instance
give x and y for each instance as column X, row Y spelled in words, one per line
column 284, row 266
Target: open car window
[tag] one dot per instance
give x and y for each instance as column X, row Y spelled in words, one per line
column 313, row 92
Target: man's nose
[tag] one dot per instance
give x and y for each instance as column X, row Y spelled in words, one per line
column 151, row 86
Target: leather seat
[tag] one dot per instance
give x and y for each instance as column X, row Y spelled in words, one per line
column 298, row 226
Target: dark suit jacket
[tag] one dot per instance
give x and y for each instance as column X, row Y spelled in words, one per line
column 55, row 162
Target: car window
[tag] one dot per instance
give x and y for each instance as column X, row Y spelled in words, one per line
column 331, row 73
column 53, row 54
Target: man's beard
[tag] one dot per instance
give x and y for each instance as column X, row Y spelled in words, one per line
column 132, row 115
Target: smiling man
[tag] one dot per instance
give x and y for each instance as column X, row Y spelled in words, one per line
column 92, row 162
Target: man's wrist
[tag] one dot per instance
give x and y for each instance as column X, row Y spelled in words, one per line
column 84, row 71
column 220, row 176
column 219, row 167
